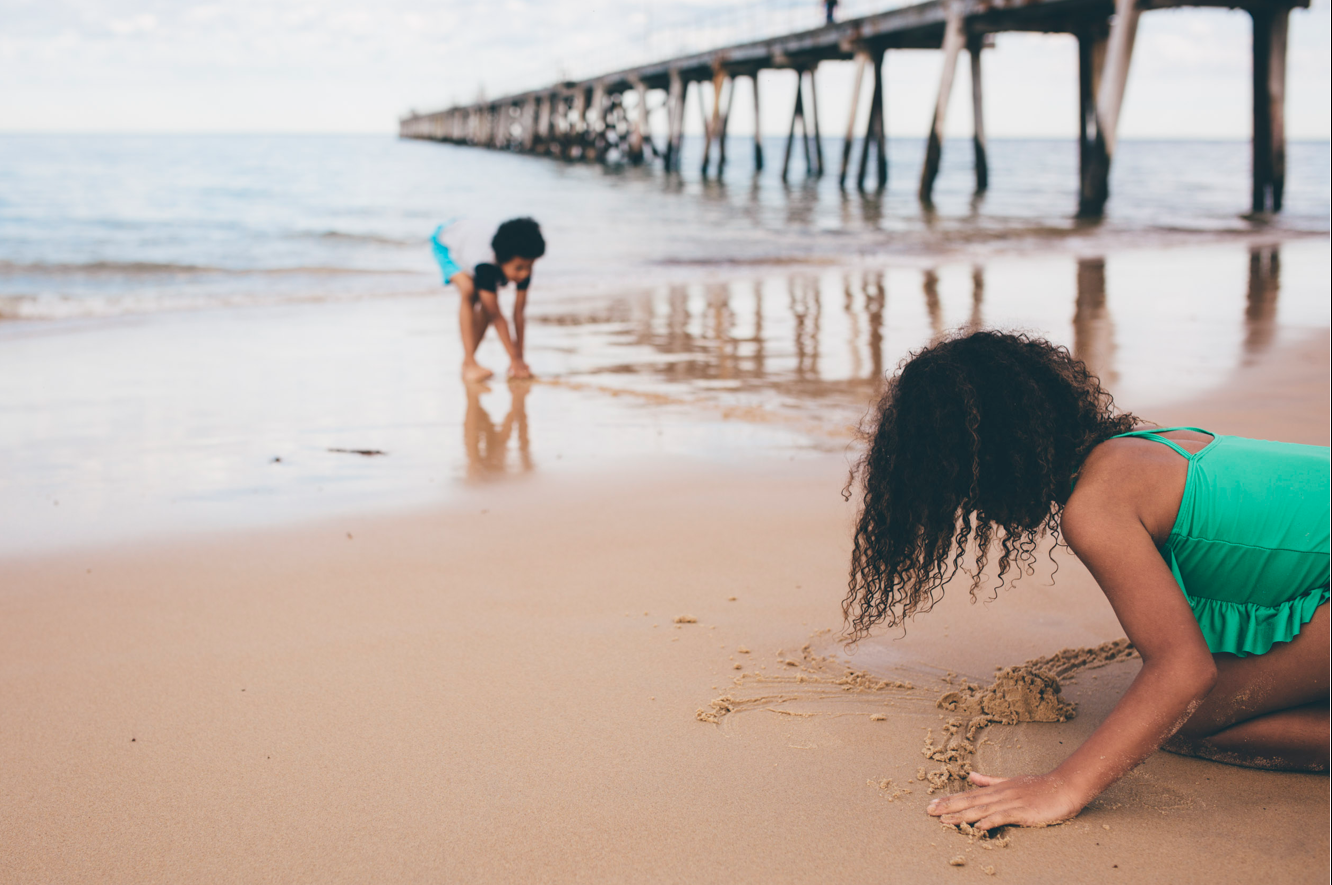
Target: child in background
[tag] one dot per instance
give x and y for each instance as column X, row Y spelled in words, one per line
column 1212, row 550
column 479, row 259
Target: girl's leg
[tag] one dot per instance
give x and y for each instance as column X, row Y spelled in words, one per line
column 1269, row 710
column 1288, row 740
column 472, row 324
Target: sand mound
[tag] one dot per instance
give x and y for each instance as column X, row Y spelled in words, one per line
column 1026, row 693
column 1017, row 695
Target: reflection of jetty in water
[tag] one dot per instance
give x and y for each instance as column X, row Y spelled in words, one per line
column 486, row 443
column 831, row 337
column 1093, row 330
column 1260, row 315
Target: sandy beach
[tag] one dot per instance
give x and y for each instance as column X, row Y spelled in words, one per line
column 429, row 439
column 506, row 687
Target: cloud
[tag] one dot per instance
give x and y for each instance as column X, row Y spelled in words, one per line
column 354, row 65
column 137, row 24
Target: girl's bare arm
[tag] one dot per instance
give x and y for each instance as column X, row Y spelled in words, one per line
column 1104, row 525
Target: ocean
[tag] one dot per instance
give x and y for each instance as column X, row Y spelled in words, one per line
column 102, row 225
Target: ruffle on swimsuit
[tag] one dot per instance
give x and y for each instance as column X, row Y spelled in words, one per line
column 1247, row 628
column 1250, row 546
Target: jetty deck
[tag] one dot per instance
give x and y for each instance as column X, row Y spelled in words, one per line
column 606, row 118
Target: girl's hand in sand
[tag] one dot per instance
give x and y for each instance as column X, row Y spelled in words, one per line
column 519, row 370
column 1023, row 801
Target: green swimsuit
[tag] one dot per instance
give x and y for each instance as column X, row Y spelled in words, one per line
column 1250, row 547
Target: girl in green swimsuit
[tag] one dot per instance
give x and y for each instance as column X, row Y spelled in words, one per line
column 1212, row 550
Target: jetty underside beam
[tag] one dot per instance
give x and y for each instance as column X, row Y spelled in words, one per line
column 593, row 119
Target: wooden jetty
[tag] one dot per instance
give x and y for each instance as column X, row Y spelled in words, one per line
column 606, row 118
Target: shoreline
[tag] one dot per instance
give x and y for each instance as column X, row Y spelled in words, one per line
column 950, row 246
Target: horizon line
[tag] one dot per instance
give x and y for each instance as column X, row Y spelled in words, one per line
column 377, row 133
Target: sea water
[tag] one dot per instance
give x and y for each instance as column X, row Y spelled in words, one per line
column 94, row 225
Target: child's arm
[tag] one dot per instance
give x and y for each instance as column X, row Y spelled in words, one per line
column 520, row 320
column 490, row 301
column 1177, row 672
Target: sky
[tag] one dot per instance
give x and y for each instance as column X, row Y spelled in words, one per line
column 357, row 65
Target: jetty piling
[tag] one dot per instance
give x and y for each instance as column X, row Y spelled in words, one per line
column 592, row 121
column 798, row 116
column 874, row 133
column 1270, row 27
column 953, row 39
column 975, row 44
column 1111, row 79
column 814, row 117
column 1093, row 164
column 758, row 130
column 725, row 124
column 850, row 138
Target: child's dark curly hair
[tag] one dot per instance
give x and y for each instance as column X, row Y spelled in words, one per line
column 976, row 433
column 518, row 238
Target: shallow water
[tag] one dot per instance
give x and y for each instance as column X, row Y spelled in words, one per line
column 1154, row 324
column 190, row 421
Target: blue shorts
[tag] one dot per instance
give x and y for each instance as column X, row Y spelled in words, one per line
column 448, row 267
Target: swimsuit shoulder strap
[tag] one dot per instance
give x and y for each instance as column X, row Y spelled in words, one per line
column 1155, row 436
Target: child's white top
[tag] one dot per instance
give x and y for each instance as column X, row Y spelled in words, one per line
column 468, row 241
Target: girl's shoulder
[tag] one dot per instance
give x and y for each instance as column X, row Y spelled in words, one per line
column 1130, row 480
column 1152, row 433
column 1148, row 443
column 1110, row 460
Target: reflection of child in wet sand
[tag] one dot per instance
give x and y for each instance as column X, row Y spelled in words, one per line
column 1212, row 550
column 479, row 259
column 488, row 445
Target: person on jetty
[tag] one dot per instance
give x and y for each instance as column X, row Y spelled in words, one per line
column 1212, row 550
column 479, row 259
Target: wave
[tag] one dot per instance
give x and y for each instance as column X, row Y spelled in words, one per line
column 63, row 307
column 100, row 267
column 343, row 236
column 150, row 269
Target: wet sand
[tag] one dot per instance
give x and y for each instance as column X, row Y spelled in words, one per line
column 500, row 691
column 129, row 428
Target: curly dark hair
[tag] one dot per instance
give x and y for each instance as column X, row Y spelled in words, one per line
column 978, row 438
column 518, row 238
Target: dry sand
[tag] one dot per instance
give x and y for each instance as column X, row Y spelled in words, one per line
column 510, row 694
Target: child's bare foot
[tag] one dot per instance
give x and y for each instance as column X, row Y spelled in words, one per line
column 473, row 372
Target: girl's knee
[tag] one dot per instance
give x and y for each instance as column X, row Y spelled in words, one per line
column 1194, row 730
column 1181, row 745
